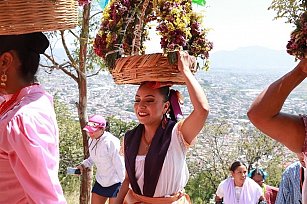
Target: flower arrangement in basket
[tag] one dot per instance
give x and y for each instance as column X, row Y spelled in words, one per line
column 297, row 44
column 124, row 29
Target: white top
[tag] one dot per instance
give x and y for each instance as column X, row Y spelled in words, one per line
column 249, row 193
column 104, row 153
column 174, row 174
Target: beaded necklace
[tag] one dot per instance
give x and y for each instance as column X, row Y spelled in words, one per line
column 147, row 143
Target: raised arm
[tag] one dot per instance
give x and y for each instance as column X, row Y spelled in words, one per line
column 265, row 113
column 193, row 124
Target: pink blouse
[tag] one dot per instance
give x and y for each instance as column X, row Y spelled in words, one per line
column 29, row 150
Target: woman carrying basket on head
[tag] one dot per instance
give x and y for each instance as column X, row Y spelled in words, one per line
column 155, row 151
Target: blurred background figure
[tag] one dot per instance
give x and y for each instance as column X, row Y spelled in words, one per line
column 104, row 149
column 269, row 192
column 290, row 188
column 239, row 188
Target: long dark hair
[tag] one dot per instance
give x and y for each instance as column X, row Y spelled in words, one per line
column 258, row 171
column 166, row 92
column 28, row 48
column 235, row 165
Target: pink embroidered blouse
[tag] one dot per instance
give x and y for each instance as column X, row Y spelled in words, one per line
column 29, row 150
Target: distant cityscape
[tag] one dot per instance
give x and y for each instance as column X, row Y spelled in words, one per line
column 230, row 93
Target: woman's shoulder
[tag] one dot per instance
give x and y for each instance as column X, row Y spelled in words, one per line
column 226, row 181
column 111, row 138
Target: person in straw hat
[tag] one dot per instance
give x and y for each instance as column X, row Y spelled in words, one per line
column 155, row 151
column 29, row 136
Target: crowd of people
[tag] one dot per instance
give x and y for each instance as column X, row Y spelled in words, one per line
column 150, row 165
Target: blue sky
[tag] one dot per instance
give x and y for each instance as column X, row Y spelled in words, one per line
column 241, row 23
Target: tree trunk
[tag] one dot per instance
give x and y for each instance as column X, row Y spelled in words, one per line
column 86, row 181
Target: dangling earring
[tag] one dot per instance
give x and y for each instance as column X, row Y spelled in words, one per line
column 3, row 79
column 164, row 121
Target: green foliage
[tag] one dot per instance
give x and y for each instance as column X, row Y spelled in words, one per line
column 208, row 161
column 118, row 127
column 70, row 146
column 289, row 9
column 71, row 149
column 201, row 186
column 260, row 150
column 219, row 145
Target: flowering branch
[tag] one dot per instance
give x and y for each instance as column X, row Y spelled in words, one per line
column 178, row 26
column 297, row 44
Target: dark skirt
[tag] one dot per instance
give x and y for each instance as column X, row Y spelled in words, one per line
column 109, row 192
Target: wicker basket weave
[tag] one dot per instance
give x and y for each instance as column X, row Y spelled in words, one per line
column 150, row 67
column 26, row 16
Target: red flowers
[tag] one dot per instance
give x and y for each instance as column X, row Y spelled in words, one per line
column 297, row 44
column 178, row 26
column 84, row 2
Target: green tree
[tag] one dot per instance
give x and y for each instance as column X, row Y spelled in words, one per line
column 207, row 161
column 219, row 145
column 118, row 127
column 80, row 62
column 70, row 146
column 288, row 9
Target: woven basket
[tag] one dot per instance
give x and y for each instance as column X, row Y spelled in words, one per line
column 26, row 16
column 150, row 67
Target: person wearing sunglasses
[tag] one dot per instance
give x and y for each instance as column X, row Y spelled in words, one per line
column 104, row 149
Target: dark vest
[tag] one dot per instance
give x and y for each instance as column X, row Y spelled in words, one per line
column 154, row 159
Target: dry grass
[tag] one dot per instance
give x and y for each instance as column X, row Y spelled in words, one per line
column 72, row 198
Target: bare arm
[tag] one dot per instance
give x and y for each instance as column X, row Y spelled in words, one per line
column 123, row 191
column 195, row 121
column 265, row 113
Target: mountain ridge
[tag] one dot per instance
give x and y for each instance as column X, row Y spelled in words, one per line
column 252, row 58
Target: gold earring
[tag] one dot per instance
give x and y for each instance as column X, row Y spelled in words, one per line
column 3, row 79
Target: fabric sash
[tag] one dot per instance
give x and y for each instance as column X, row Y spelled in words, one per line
column 179, row 198
column 302, row 178
column 250, row 193
column 154, row 159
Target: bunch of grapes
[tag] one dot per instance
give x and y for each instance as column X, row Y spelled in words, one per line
column 297, row 44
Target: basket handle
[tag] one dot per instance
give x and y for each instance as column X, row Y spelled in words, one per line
column 136, row 43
